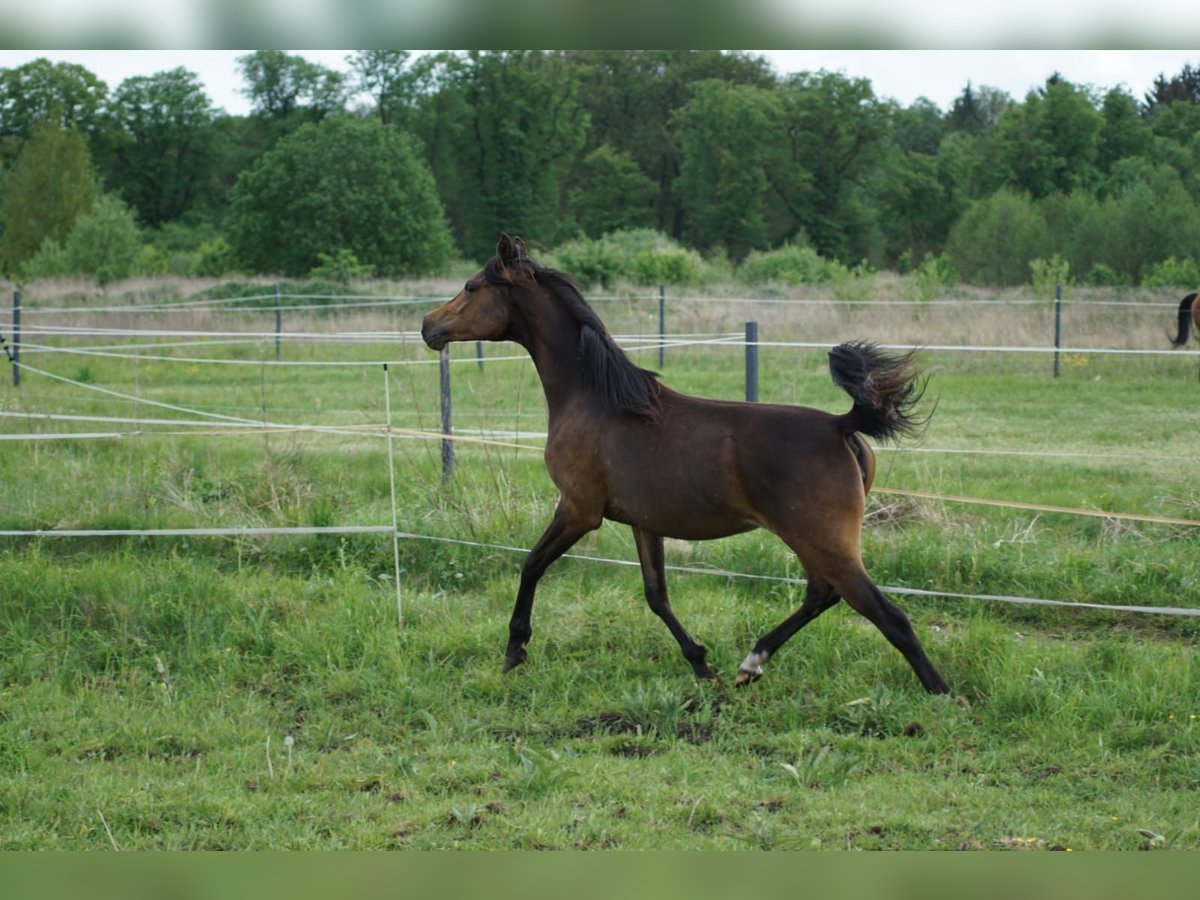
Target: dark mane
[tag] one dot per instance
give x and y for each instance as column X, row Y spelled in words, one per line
column 618, row 383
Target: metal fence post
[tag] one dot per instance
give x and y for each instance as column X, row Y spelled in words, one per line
column 16, row 338
column 447, row 444
column 752, row 362
column 479, row 354
column 662, row 324
column 1057, row 325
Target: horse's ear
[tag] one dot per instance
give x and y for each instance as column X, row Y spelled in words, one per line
column 504, row 250
column 519, row 249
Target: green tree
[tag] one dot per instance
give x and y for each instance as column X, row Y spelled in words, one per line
column 631, row 98
column 1050, row 142
column 725, row 133
column 611, row 193
column 49, row 187
column 919, row 198
column 1124, row 132
column 503, row 130
column 387, row 76
column 280, row 84
column 41, row 92
column 834, row 135
column 976, row 111
column 996, row 239
column 344, row 184
column 163, row 149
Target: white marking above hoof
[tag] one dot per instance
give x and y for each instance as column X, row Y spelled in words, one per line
column 751, row 668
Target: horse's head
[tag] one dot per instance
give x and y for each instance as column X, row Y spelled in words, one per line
column 482, row 310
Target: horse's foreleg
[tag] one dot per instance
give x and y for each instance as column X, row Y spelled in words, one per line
column 818, row 597
column 650, row 552
column 559, row 537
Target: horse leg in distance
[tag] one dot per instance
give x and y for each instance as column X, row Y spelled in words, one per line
column 560, row 536
column 818, row 597
column 650, row 552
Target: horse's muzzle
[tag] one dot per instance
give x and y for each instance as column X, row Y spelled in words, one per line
column 433, row 334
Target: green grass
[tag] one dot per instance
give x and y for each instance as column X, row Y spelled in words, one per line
column 207, row 693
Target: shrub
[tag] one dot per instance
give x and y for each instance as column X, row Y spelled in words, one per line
column 213, row 258
column 105, row 243
column 1172, row 272
column 641, row 255
column 997, row 238
column 1102, row 275
column 1046, row 274
column 930, row 279
column 789, row 264
column 50, row 261
column 340, row 267
column 856, row 283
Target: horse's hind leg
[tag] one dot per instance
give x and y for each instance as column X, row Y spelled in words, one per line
column 818, row 597
column 650, row 552
column 862, row 594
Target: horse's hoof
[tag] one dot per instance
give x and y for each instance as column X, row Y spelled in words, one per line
column 511, row 662
column 744, row 676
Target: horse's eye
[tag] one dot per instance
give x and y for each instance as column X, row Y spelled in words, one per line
column 469, row 287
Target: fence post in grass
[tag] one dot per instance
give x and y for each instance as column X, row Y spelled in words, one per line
column 662, row 324
column 15, row 356
column 447, row 444
column 1057, row 325
column 752, row 362
column 278, row 321
column 479, row 354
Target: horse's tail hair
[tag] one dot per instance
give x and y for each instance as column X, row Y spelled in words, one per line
column 885, row 389
column 1185, row 320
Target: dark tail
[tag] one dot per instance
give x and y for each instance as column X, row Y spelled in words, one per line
column 1185, row 320
column 885, row 390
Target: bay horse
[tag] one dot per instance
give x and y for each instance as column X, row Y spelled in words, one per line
column 1189, row 312
column 623, row 446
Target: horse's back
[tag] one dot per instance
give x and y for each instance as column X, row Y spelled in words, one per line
column 713, row 468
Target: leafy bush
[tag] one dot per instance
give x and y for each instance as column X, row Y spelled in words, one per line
column 789, row 264
column 50, row 261
column 1046, row 274
column 212, row 259
column 641, row 255
column 340, row 267
column 856, row 283
column 1102, row 275
column 997, row 238
column 1172, row 272
column 105, row 243
column 930, row 279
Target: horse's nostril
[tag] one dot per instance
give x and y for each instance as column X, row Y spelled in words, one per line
column 433, row 335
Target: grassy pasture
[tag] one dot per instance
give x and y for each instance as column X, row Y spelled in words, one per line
column 257, row 692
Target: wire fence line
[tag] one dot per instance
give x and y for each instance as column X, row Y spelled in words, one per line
column 241, row 532
column 267, row 302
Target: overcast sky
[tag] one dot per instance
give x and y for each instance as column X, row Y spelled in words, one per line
column 905, row 75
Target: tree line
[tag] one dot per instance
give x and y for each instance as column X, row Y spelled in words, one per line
column 712, row 151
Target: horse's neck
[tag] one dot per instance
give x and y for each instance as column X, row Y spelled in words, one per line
column 551, row 336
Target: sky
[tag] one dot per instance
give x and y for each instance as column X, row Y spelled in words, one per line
column 904, row 75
